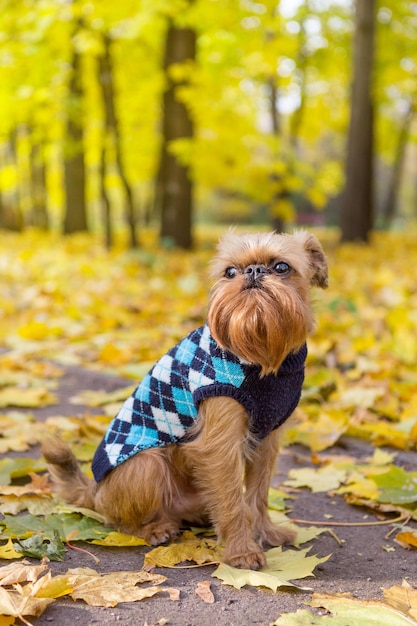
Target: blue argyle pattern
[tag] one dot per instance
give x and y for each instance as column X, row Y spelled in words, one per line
column 163, row 406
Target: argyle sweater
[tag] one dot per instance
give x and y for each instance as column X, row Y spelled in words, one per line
column 165, row 404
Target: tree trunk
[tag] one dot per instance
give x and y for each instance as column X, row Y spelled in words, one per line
column 105, row 200
column 356, row 212
column 283, row 200
column 174, row 191
column 112, row 128
column 391, row 201
column 39, row 216
column 75, row 218
column 277, row 221
column 10, row 213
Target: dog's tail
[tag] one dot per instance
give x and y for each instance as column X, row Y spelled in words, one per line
column 69, row 482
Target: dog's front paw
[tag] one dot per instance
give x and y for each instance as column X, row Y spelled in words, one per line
column 159, row 532
column 248, row 560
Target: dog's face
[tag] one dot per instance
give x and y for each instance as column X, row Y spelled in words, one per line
column 260, row 304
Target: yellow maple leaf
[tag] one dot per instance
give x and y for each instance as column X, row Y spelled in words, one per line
column 117, row 539
column 28, row 398
column 7, row 551
column 282, row 567
column 188, row 548
column 317, row 433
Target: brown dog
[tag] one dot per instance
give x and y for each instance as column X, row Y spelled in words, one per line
column 207, row 414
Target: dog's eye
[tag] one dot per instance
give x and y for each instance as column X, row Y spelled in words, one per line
column 230, row 272
column 282, row 268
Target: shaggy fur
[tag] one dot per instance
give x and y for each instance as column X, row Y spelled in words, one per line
column 200, row 481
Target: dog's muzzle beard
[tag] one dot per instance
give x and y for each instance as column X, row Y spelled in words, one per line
column 262, row 323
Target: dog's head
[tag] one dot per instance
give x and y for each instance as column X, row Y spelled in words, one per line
column 260, row 304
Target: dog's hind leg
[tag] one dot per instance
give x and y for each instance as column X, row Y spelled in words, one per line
column 137, row 496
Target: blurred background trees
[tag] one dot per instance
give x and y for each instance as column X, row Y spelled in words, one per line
column 115, row 115
column 357, row 202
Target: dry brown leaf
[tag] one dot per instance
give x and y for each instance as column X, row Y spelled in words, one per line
column 204, row 592
column 22, row 571
column 110, row 589
column 403, row 598
column 174, row 594
column 14, row 603
column 407, row 539
column 36, row 505
column 21, row 490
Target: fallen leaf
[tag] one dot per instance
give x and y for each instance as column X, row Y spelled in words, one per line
column 303, row 533
column 325, row 478
column 361, row 487
column 110, row 589
column 19, row 467
column 39, row 546
column 37, row 537
column 35, row 505
column 382, row 458
column 359, row 396
column 15, row 604
column 345, row 611
column 379, row 508
column 22, row 571
column 281, row 568
column 50, row 587
column 63, row 507
column 94, row 398
column 174, row 594
column 204, row 592
column 8, row 551
column 75, row 526
column 317, row 432
column 119, row 540
column 402, row 598
column 188, row 548
column 360, row 612
column 27, row 398
column 276, row 499
column 397, row 486
column 407, row 538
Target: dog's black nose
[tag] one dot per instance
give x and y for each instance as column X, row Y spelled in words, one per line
column 255, row 272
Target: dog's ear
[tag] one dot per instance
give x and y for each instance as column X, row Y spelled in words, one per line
column 317, row 258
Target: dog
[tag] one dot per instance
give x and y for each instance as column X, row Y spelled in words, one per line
column 196, row 443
